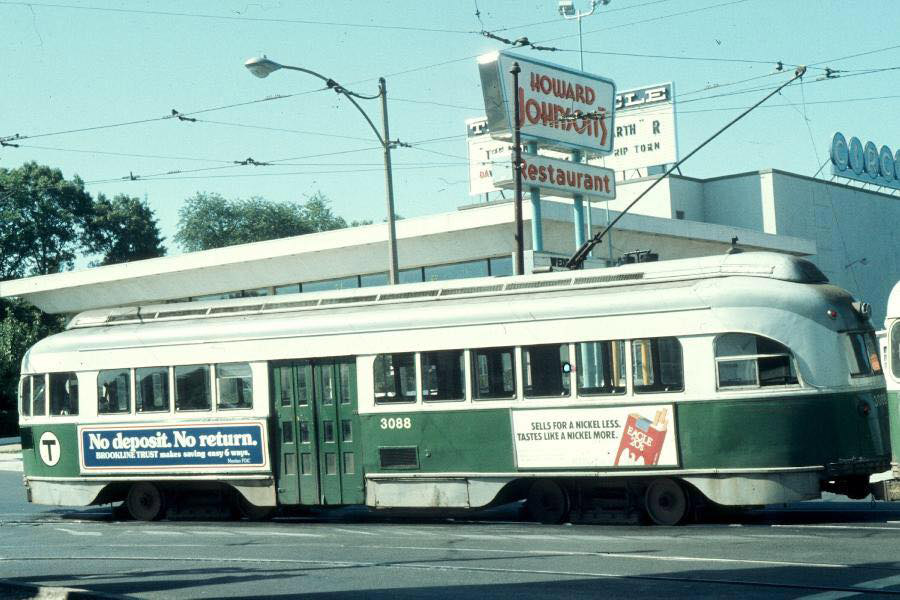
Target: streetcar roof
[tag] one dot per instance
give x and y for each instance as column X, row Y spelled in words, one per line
column 754, row 264
column 893, row 305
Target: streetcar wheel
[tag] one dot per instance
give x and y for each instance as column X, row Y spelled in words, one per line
column 547, row 502
column 252, row 512
column 144, row 502
column 666, row 502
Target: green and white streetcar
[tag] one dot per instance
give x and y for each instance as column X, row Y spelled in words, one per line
column 889, row 489
column 743, row 379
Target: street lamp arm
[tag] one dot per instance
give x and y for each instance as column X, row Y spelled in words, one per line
column 263, row 67
column 334, row 85
column 349, row 97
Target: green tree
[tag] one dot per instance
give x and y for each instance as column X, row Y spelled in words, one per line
column 209, row 220
column 122, row 229
column 42, row 218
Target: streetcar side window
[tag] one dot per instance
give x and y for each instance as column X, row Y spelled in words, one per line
column 25, row 396
column 63, row 394
column 113, row 391
column 493, row 374
column 192, row 388
column 395, row 378
column 152, row 389
column 234, row 383
column 657, row 365
column 443, row 376
column 38, row 395
column 747, row 360
column 895, row 350
column 861, row 351
column 547, row 370
column 600, row 367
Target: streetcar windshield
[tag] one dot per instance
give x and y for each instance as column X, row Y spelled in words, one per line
column 861, row 351
column 895, row 350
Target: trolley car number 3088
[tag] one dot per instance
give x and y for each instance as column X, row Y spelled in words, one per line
column 396, row 423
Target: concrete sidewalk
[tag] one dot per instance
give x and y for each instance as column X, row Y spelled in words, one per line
column 16, row 591
column 10, row 444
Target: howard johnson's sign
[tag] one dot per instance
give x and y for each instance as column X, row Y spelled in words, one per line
column 560, row 108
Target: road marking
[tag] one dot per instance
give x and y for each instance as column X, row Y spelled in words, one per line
column 853, row 527
column 354, row 531
column 215, row 532
column 662, row 558
column 73, row 532
column 459, row 568
column 285, row 534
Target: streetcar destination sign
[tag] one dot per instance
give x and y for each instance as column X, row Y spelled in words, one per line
column 559, row 107
column 218, row 446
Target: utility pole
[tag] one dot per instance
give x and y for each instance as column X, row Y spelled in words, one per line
column 517, row 172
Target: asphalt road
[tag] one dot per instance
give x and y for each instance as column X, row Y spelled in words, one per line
column 823, row 550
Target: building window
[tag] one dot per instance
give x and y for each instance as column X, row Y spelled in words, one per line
column 342, row 283
column 463, row 270
column 114, row 392
column 501, row 266
column 395, row 378
column 547, row 370
column 192, row 388
column 152, row 389
column 443, row 376
column 410, row 275
column 657, row 366
column 63, row 394
column 747, row 360
column 601, row 367
column 234, row 383
column 493, row 374
column 373, row 279
column 861, row 350
column 293, row 288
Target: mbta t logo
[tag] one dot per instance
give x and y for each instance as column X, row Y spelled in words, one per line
column 49, row 448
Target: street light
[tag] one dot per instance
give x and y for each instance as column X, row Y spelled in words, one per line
column 568, row 12
column 263, row 67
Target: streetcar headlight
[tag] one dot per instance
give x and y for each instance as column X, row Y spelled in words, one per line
column 863, row 308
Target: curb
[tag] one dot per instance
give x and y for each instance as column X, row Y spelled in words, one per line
column 22, row 591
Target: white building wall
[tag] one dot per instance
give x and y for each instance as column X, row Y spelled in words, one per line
column 848, row 225
column 735, row 200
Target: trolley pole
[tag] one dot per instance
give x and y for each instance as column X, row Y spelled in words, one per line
column 517, row 173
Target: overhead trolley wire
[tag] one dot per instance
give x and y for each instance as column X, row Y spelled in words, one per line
column 235, row 17
column 173, row 115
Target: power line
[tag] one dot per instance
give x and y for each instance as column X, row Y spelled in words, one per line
column 649, row 20
column 237, row 18
column 174, row 115
column 151, row 176
column 177, row 175
column 124, row 154
column 834, row 60
column 284, row 130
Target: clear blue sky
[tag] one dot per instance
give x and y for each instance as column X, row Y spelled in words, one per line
column 79, row 64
